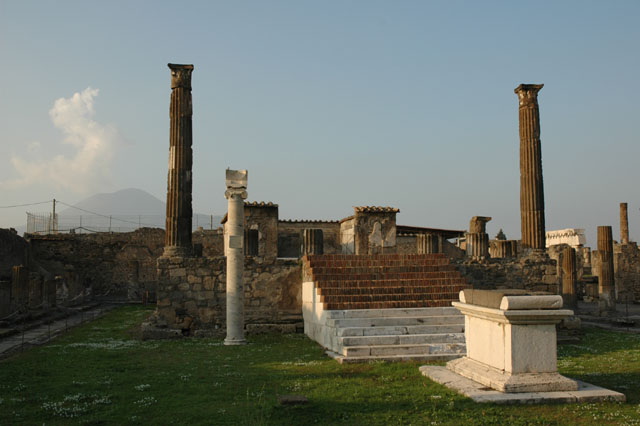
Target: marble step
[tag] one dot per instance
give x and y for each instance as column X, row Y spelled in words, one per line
column 397, row 312
column 396, row 321
column 417, row 349
column 402, row 339
column 400, row 330
column 393, row 358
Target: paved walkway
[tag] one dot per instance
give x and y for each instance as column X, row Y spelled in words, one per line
column 44, row 332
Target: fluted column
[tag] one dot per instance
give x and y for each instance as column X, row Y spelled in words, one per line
column 569, row 277
column 531, row 187
column 313, row 241
column 236, row 193
column 427, row 243
column 477, row 245
column 503, row 249
column 606, row 285
column 179, row 212
column 624, row 224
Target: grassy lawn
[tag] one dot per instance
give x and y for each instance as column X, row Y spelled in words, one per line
column 100, row 374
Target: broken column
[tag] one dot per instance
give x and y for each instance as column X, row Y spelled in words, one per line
column 531, row 188
column 428, row 243
column 569, row 277
column 477, row 238
column 312, row 241
column 179, row 212
column 236, row 193
column 624, row 224
column 606, row 285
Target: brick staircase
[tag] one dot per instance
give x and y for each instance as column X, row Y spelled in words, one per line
column 386, row 307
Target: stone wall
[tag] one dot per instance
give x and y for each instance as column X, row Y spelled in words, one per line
column 13, row 251
column 626, row 265
column 533, row 272
column 114, row 265
column 290, row 236
column 192, row 295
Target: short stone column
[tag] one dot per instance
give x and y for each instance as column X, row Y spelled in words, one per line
column 236, row 193
column 531, row 187
column 586, row 256
column 606, row 284
column 569, row 277
column 179, row 209
column 624, row 224
column 312, row 241
column 511, row 340
column 477, row 238
column 428, row 243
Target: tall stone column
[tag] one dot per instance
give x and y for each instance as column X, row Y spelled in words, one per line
column 236, row 193
column 624, row 224
column 179, row 212
column 569, row 277
column 531, row 188
column 606, row 285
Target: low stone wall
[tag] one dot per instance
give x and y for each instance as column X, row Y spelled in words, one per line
column 533, row 273
column 192, row 296
column 626, row 265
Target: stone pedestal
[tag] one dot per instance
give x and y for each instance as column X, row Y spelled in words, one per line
column 606, row 284
column 569, row 278
column 179, row 185
column 236, row 193
column 624, row 224
column 511, row 340
column 312, row 241
column 531, row 186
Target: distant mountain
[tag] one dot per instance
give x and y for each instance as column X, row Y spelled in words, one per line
column 121, row 211
column 130, row 201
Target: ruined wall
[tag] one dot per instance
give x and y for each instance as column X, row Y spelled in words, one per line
column 212, row 241
column 13, row 251
column 535, row 273
column 626, row 266
column 115, row 265
column 374, row 230
column 290, row 236
column 192, row 294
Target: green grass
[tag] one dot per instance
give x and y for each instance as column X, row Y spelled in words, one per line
column 100, row 374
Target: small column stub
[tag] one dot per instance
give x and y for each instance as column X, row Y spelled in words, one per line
column 531, row 185
column 236, row 193
column 179, row 181
column 569, row 277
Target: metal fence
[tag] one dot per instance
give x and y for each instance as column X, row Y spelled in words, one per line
column 45, row 223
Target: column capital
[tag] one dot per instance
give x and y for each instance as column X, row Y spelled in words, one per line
column 235, row 192
column 528, row 94
column 180, row 75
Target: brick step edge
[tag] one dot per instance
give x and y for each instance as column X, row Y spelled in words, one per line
column 389, row 305
column 393, row 358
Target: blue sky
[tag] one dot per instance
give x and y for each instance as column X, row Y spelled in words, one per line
column 328, row 104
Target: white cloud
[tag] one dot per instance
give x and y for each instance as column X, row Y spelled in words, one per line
column 93, row 145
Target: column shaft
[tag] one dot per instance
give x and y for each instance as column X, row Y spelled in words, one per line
column 624, row 224
column 179, row 181
column 531, row 185
column 606, row 284
column 569, row 277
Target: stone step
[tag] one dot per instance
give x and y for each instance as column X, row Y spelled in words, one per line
column 320, row 270
column 359, row 298
column 395, row 321
column 453, row 328
column 375, row 291
column 403, row 339
column 420, row 349
column 426, row 282
column 380, row 313
column 385, row 276
column 392, row 304
column 393, row 358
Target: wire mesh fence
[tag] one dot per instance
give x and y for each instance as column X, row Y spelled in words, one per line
column 46, row 223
